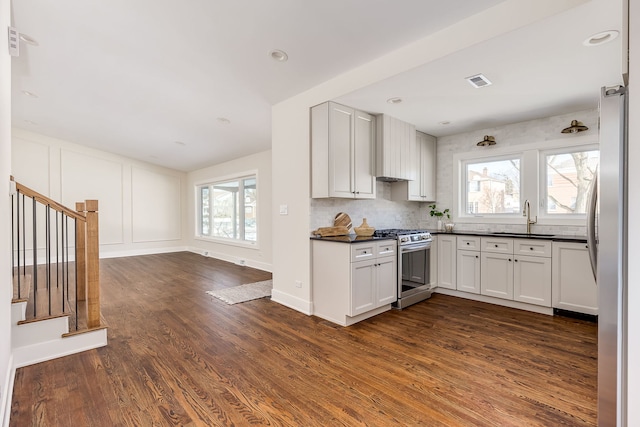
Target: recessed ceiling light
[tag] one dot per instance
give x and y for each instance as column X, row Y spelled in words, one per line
column 478, row 81
column 601, row 38
column 444, row 122
column 180, row 143
column 394, row 100
column 29, row 40
column 31, row 94
column 223, row 120
column 279, row 55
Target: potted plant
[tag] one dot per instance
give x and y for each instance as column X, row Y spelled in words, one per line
column 439, row 215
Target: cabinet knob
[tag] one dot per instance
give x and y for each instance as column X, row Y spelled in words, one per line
column 467, row 243
column 509, row 259
column 496, row 246
column 531, row 248
column 476, row 256
column 516, row 260
column 364, row 252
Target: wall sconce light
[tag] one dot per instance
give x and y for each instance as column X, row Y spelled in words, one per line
column 575, row 127
column 488, row 140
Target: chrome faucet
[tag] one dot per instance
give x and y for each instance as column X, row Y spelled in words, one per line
column 526, row 211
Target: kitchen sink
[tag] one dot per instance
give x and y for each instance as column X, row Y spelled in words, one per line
column 508, row 233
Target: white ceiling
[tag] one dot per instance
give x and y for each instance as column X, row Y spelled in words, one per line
column 135, row 77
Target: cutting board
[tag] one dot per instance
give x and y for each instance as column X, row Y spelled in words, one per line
column 331, row 231
column 342, row 220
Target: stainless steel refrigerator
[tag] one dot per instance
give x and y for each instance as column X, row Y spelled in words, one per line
column 607, row 241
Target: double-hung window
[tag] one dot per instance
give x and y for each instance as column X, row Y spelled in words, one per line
column 227, row 209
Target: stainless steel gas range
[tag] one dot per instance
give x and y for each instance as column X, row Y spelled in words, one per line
column 414, row 265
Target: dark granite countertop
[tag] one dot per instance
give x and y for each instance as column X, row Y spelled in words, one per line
column 507, row 235
column 352, row 238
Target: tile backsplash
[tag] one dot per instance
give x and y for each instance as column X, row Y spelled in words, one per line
column 381, row 212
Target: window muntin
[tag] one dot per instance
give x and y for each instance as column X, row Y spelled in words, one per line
column 228, row 209
column 568, row 175
column 492, row 186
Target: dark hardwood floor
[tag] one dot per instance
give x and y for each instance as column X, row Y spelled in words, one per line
column 177, row 356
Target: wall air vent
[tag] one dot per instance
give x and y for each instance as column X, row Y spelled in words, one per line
column 478, row 81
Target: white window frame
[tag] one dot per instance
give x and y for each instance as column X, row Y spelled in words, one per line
column 543, row 215
column 198, row 209
column 530, row 176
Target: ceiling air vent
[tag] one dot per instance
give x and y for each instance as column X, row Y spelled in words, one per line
column 478, row 81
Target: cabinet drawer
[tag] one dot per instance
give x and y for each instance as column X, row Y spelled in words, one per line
column 497, row 245
column 386, row 248
column 532, row 247
column 469, row 243
column 363, row 251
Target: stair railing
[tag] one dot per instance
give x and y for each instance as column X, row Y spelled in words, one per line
column 85, row 277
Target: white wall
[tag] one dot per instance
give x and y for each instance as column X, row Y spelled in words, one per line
column 140, row 205
column 5, row 211
column 633, row 326
column 259, row 256
column 290, row 132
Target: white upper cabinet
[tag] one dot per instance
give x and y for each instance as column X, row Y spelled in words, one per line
column 342, row 152
column 423, row 188
column 395, row 149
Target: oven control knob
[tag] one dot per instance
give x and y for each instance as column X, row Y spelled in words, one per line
column 404, row 239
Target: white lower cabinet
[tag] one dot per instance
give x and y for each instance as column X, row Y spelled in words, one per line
column 574, row 287
column 468, row 271
column 518, row 270
column 532, row 280
column 351, row 282
column 497, row 275
column 447, row 261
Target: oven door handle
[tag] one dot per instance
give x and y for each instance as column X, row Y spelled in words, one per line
column 414, row 248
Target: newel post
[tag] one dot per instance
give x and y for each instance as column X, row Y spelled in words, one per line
column 93, row 265
column 81, row 256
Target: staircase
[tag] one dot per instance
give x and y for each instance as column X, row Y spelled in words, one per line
column 55, row 309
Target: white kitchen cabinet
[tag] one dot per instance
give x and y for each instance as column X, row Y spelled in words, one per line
column 395, row 148
column 351, row 282
column 525, row 278
column 532, row 280
column 342, row 152
column 423, row 188
column 447, row 248
column 573, row 285
column 468, row 271
column 497, row 275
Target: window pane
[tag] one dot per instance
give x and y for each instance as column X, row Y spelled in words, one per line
column 569, row 176
column 204, row 217
column 493, row 187
column 250, row 211
column 225, row 210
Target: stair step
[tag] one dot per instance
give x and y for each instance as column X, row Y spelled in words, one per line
column 21, row 294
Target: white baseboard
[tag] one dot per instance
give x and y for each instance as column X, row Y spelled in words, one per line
column 291, row 301
column 498, row 301
column 136, row 252
column 259, row 265
column 7, row 393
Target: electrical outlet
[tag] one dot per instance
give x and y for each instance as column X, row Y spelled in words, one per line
column 206, row 253
column 298, row 283
column 241, row 262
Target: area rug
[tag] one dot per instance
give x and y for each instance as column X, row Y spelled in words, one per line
column 244, row 293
